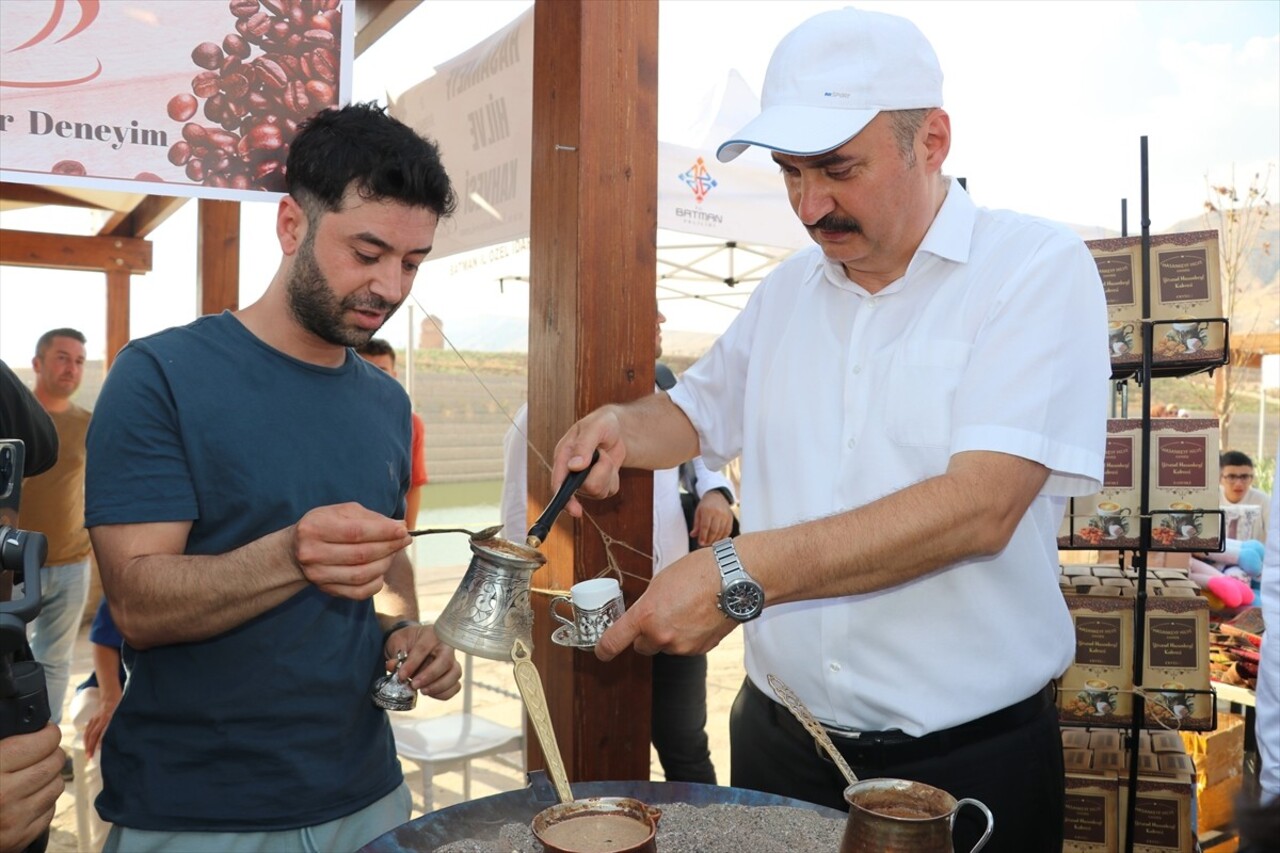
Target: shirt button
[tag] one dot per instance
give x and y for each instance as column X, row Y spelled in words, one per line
column 835, row 667
column 850, row 444
column 857, row 368
column 873, row 302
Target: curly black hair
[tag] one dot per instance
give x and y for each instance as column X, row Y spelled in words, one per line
column 383, row 157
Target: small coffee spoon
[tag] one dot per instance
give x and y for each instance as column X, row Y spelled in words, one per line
column 486, row 533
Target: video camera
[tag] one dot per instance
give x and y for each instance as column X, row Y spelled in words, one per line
column 24, row 701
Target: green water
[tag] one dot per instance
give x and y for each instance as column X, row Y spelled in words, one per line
column 471, row 505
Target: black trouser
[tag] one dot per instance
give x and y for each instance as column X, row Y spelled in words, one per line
column 1015, row 770
column 680, row 718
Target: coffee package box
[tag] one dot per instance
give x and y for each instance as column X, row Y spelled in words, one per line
column 1175, row 667
column 1091, row 813
column 1186, row 299
column 1109, row 519
column 1113, row 760
column 1103, row 740
column 1073, row 738
column 1120, row 268
column 1183, row 492
column 1162, row 815
column 1164, row 741
column 1077, row 759
column 1097, row 687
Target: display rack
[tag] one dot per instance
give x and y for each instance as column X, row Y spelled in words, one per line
column 1143, row 373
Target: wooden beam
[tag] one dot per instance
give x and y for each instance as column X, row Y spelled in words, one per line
column 143, row 219
column 1256, row 342
column 375, row 17
column 218, row 248
column 37, row 195
column 68, row 252
column 591, row 339
column 118, row 282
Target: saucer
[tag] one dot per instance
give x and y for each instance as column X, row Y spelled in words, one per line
column 566, row 635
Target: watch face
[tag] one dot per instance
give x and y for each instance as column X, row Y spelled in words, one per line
column 743, row 600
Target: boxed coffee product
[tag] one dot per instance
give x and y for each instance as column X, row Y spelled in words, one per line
column 1102, row 740
column 1162, row 815
column 1097, row 687
column 1165, row 741
column 1186, row 299
column 1077, row 759
column 1183, row 493
column 1175, row 668
column 1113, row 760
column 1109, row 519
column 1120, row 268
column 1091, row 814
column 1178, row 765
column 1075, row 738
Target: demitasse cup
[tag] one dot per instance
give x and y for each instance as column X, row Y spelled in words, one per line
column 1183, row 515
column 594, row 605
column 1119, row 337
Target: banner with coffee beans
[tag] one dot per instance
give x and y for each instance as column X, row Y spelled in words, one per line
column 166, row 97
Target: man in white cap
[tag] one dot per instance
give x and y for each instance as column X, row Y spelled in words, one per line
column 915, row 398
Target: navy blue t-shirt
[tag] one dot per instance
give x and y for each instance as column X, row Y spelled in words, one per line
column 268, row 726
column 103, row 632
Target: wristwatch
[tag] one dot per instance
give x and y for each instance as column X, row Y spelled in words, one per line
column 740, row 597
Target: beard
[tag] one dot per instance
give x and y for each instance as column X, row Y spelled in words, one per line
column 314, row 306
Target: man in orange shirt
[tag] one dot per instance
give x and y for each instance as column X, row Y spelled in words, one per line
column 380, row 354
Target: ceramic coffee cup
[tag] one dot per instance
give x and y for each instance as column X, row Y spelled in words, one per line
column 594, row 605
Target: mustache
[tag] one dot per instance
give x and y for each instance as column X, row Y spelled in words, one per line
column 831, row 222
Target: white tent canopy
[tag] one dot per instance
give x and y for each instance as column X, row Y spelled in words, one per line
column 722, row 226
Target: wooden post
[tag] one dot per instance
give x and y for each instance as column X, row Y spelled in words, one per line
column 592, row 318
column 118, row 284
column 218, row 249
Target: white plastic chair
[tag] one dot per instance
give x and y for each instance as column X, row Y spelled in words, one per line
column 91, row 830
column 452, row 741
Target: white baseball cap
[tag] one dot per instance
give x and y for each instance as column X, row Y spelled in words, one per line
column 830, row 76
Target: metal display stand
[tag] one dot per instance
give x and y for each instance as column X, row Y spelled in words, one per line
column 1143, row 374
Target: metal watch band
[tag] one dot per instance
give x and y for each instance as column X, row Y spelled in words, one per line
column 727, row 559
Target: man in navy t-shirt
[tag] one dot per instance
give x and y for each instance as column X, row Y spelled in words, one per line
column 245, row 495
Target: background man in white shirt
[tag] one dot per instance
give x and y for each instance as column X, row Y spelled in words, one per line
column 1235, row 481
column 679, row 705
column 914, row 400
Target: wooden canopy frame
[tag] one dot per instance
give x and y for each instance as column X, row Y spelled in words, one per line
column 592, row 313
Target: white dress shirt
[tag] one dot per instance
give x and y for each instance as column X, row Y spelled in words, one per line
column 1267, row 725
column 995, row 340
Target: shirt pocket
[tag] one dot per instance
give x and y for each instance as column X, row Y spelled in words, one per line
column 921, row 392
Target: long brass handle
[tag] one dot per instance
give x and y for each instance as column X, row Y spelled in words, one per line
column 529, row 681
column 801, row 712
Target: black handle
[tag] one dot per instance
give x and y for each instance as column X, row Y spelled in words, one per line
column 571, row 484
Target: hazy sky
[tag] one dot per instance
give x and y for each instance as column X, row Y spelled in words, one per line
column 1048, row 101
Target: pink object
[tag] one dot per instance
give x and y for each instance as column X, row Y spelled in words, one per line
column 1233, row 593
